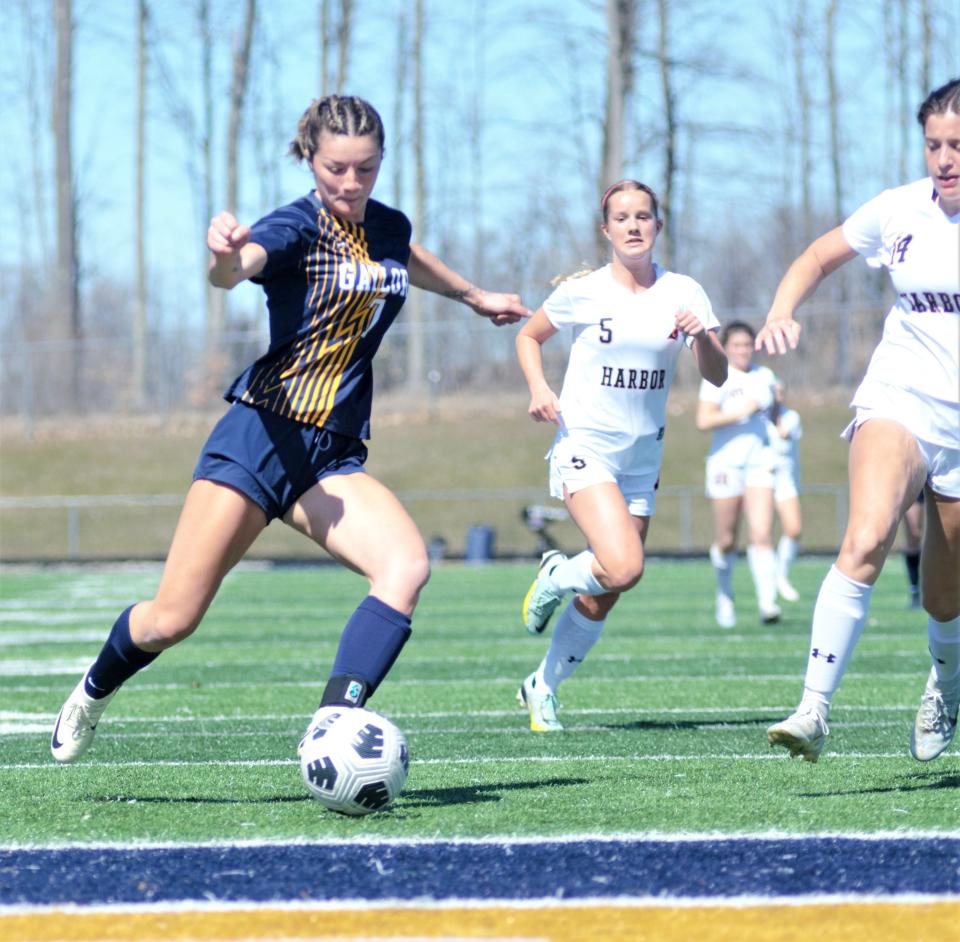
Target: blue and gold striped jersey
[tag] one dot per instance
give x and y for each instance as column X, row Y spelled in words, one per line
column 333, row 288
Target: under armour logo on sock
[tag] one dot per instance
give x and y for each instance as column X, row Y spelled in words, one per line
column 574, row 660
column 830, row 658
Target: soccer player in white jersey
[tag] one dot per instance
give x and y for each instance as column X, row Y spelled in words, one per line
column 906, row 433
column 629, row 321
column 785, row 435
column 740, row 466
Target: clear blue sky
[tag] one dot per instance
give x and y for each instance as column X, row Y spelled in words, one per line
column 542, row 66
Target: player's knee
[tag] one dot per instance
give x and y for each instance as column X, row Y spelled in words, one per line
column 865, row 544
column 623, row 574
column 408, row 574
column 169, row 626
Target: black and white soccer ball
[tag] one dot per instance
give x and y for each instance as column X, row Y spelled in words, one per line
column 353, row 760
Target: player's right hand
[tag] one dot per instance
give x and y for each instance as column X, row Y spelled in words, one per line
column 544, row 406
column 225, row 235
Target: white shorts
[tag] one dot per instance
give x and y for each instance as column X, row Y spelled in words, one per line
column 581, row 459
column 942, row 463
column 785, row 483
column 731, row 479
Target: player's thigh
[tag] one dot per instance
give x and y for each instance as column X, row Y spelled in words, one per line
column 216, row 527
column 940, row 558
column 791, row 517
column 758, row 508
column 886, row 472
column 726, row 519
column 601, row 513
column 361, row 523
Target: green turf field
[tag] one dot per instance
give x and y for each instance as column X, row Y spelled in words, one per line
column 665, row 720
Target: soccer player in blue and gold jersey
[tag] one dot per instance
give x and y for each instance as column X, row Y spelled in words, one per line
column 335, row 266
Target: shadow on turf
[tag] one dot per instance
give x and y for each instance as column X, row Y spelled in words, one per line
column 192, row 800
column 471, row 794
column 689, row 724
column 944, row 778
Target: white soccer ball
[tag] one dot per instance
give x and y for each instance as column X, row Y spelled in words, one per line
column 353, row 760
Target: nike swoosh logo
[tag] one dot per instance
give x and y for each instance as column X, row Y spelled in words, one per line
column 56, row 729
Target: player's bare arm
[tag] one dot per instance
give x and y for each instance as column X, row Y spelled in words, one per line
column 544, row 403
column 711, row 416
column 233, row 258
column 823, row 256
column 431, row 274
column 707, row 352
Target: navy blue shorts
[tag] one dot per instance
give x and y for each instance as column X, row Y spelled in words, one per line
column 274, row 460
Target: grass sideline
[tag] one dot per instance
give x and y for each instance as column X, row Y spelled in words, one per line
column 665, row 721
column 464, row 446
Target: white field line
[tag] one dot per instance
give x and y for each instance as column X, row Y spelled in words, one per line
column 467, row 760
column 505, row 840
column 11, row 730
column 686, row 711
column 41, row 667
column 29, row 730
column 549, row 902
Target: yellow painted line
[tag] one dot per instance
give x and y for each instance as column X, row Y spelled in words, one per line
column 825, row 922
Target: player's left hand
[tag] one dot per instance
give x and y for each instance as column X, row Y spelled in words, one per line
column 500, row 309
column 689, row 323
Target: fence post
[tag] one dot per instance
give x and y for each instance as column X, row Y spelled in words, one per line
column 73, row 531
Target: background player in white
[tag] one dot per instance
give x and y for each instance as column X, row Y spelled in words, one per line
column 740, row 466
column 785, row 434
column 629, row 321
column 906, row 434
column 912, row 541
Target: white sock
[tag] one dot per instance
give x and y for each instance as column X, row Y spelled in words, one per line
column 576, row 575
column 723, row 567
column 838, row 620
column 573, row 636
column 944, row 639
column 763, row 568
column 786, row 554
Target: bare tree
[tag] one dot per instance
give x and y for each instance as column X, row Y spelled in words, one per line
column 416, row 345
column 238, row 92
column 323, row 24
column 668, row 93
column 475, row 125
column 799, row 28
column 621, row 18
column 903, row 86
column 836, row 168
column 35, row 81
column 343, row 43
column 139, row 359
column 401, row 80
column 66, row 319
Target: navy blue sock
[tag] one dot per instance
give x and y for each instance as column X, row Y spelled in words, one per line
column 913, row 568
column 370, row 643
column 118, row 660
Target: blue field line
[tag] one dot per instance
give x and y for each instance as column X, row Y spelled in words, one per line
column 454, row 870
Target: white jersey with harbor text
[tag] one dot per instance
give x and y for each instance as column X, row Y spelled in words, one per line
column 624, row 351
column 905, row 231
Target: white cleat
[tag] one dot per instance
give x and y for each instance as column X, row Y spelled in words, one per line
column 802, row 734
column 76, row 724
column 786, row 591
column 541, row 706
column 726, row 614
column 936, row 720
column 542, row 599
